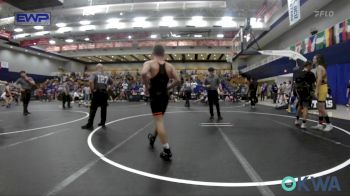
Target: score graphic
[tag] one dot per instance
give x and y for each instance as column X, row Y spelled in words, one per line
column 329, row 104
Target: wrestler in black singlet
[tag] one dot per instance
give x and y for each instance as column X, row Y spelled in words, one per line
column 159, row 91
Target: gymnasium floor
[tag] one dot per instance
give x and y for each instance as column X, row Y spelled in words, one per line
column 47, row 153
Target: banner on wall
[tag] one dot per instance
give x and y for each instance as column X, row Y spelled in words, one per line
column 4, row 64
column 5, row 34
column 294, row 11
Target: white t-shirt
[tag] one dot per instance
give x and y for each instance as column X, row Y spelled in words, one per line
column 125, row 85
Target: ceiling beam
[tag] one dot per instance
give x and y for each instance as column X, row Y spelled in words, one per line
column 221, row 56
column 120, row 56
column 147, row 57
column 171, row 56
column 208, row 57
column 134, row 57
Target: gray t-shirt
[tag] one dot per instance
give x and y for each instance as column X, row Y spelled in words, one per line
column 24, row 84
column 213, row 81
column 101, row 80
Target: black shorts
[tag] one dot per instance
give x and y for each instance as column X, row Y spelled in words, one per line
column 304, row 98
column 159, row 103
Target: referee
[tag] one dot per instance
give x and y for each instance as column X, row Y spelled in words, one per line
column 27, row 84
column 99, row 82
column 212, row 83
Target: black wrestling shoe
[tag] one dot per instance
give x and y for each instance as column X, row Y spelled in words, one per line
column 151, row 139
column 166, row 155
column 220, row 118
column 211, row 118
column 102, row 125
column 87, row 126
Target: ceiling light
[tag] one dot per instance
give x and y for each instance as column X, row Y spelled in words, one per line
column 85, row 22
column 129, row 37
column 174, row 54
column 191, row 58
column 220, row 35
column 40, row 33
column 113, row 20
column 38, row 27
column 214, row 55
column 69, row 40
column 112, row 56
column 11, row 46
column 197, row 18
column 153, row 36
column 117, row 25
column 61, row 24
column 141, row 22
column 18, row 30
column 26, row 50
column 175, row 35
column 64, row 29
column 168, row 21
column 87, row 39
column 139, row 19
column 198, row 35
column 121, row 13
column 18, row 36
column 108, row 38
column 52, row 42
column 87, row 27
column 34, row 43
column 197, row 21
column 226, row 21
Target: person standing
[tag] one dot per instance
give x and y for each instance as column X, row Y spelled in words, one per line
column 187, row 90
column 65, row 94
column 253, row 87
column 87, row 94
column 304, row 87
column 212, row 83
column 155, row 76
column 274, row 91
column 26, row 85
column 321, row 93
column 99, row 83
column 8, row 95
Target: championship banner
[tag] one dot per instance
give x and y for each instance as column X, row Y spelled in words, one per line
column 187, row 43
column 4, row 64
column 329, row 104
column 5, row 34
column 53, row 49
column 69, row 47
column 294, row 11
column 34, row 42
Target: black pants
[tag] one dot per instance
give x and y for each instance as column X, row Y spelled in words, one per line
column 253, row 98
column 213, row 100
column 26, row 94
column 66, row 98
column 188, row 97
column 99, row 99
column 274, row 97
